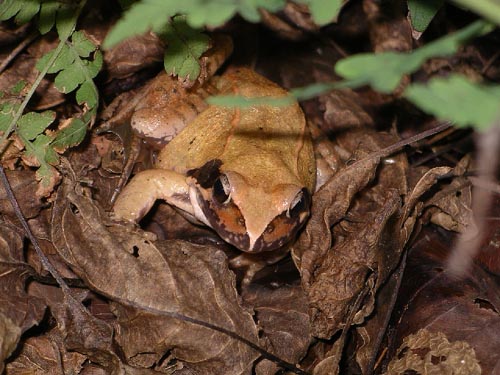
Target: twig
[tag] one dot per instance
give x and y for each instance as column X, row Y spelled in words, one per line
column 415, row 138
column 404, row 142
column 17, row 50
column 469, row 242
column 43, row 258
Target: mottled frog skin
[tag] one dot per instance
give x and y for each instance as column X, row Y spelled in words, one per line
column 248, row 173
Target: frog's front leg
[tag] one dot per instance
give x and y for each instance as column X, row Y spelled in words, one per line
column 137, row 198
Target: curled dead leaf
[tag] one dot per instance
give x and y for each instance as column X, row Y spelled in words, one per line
column 23, row 183
column 282, row 316
column 431, row 352
column 18, row 310
column 145, row 279
column 133, row 54
column 464, row 310
column 366, row 232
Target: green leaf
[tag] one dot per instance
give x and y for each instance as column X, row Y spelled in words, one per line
column 324, row 12
column 32, row 124
column 42, row 61
column 87, row 93
column 63, row 60
column 270, row 5
column 154, row 15
column 68, row 79
column 46, row 174
column 213, row 14
column 41, row 150
column 7, row 111
column 83, row 46
column 422, row 12
column 18, row 87
column 47, row 17
column 244, row 102
column 141, row 17
column 6, row 107
column 94, row 66
column 70, row 136
column 66, row 20
column 384, row 71
column 9, row 8
column 247, row 11
column 185, row 47
column 5, row 119
column 458, row 100
column 28, row 10
column 300, row 93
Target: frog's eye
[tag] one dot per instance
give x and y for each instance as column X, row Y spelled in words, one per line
column 221, row 191
column 299, row 205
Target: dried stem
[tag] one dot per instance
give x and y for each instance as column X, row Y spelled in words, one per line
column 469, row 242
column 26, row 42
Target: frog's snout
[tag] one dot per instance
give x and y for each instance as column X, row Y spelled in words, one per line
column 215, row 208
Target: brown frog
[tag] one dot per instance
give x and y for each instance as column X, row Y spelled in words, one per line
column 248, row 173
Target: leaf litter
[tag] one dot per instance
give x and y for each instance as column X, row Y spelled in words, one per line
column 338, row 309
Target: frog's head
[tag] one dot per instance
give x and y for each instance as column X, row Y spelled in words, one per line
column 251, row 217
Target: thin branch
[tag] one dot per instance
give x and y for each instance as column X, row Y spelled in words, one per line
column 469, row 242
column 404, row 142
column 43, row 258
column 26, row 42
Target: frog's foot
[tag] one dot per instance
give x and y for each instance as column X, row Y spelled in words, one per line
column 137, row 198
column 328, row 161
column 132, row 150
column 253, row 263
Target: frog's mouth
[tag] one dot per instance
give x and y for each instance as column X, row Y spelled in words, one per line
column 211, row 198
column 229, row 223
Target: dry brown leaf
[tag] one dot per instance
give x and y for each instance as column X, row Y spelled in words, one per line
column 282, row 316
column 145, row 279
column 133, row 54
column 432, row 353
column 389, row 28
column 44, row 355
column 370, row 225
column 23, row 183
column 343, row 111
column 451, row 208
column 9, row 35
column 334, row 271
column 18, row 310
column 294, row 22
column 463, row 310
column 369, row 336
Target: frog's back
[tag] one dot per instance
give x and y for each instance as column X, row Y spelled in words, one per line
column 273, row 137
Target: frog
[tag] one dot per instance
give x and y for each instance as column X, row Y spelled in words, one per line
column 246, row 172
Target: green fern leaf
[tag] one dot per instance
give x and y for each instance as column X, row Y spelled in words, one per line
column 185, row 47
